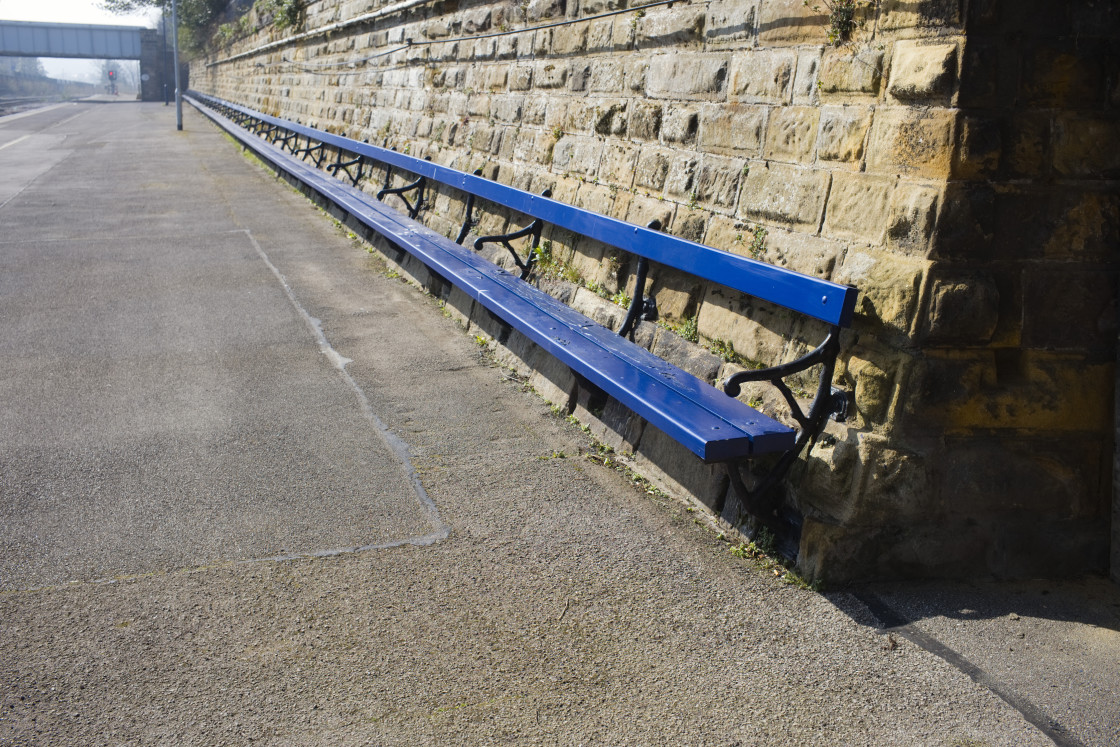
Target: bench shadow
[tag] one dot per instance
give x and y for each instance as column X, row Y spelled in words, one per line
column 1089, row 600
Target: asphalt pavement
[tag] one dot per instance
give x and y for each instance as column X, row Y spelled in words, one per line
column 256, row 489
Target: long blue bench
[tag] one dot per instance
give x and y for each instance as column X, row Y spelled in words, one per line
column 710, row 423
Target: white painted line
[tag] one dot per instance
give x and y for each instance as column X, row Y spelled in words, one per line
column 20, row 115
column 395, row 443
column 13, row 142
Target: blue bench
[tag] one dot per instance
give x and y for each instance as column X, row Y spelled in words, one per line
column 712, row 424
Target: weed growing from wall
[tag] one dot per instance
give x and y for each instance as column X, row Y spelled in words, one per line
column 841, row 17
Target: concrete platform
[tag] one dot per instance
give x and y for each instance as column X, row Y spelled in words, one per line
column 257, row 489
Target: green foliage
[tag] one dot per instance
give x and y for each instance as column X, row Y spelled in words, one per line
column 757, row 241
column 761, row 552
column 725, row 349
column 687, row 329
column 621, row 299
column 284, row 13
column 841, row 17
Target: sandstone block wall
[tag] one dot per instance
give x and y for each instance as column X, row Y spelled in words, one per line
column 954, row 159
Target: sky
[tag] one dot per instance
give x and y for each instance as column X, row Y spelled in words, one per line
column 71, row 11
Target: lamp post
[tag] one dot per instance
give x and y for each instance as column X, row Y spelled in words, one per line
column 175, row 60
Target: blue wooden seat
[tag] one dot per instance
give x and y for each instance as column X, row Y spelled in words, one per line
column 708, row 422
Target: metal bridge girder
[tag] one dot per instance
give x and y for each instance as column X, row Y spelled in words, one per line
column 26, row 39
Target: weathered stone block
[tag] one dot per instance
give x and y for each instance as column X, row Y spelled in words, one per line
column 477, row 20
column 979, row 148
column 686, row 355
column 478, row 106
column 677, row 293
column 911, row 142
column 843, row 130
column 617, row 427
column 508, row 47
column 1054, row 295
column 653, row 168
column 671, row 26
column 731, row 22
column 645, row 121
column 568, row 40
column 963, row 310
column 792, row 134
column 609, row 118
column 619, row 164
column 623, row 33
column 553, row 380
column 508, row 108
column 894, row 486
column 690, row 223
column 680, row 125
column 717, row 181
column 907, row 14
column 851, row 73
column 784, row 195
column 600, row 36
column 537, row 10
column 598, row 309
column 595, row 7
column 642, row 210
column 484, row 49
column 732, row 129
column 874, row 387
column 1078, row 151
column 791, row 22
column 1029, row 391
column 889, row 286
column 912, row 218
column 792, row 249
column 1065, row 76
column 858, row 207
column 756, row 330
column 923, row 71
column 1087, row 225
column 1045, row 488
column 533, row 146
column 550, row 75
column 606, row 77
column 578, row 155
column 764, row 76
column 520, row 78
column 497, row 77
column 682, row 175
column 806, row 77
column 832, row 469
column 686, row 76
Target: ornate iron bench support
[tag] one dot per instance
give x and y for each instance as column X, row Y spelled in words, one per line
column 641, row 307
column 420, row 185
column 468, row 215
column 340, row 165
column 828, row 402
column 533, row 229
column 318, row 151
column 286, row 141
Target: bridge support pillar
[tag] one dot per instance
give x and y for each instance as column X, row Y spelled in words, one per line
column 157, row 67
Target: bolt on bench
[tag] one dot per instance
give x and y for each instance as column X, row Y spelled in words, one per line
column 712, row 424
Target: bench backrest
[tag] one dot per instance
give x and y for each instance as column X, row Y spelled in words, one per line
column 805, row 294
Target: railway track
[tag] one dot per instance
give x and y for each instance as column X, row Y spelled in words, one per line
column 16, row 104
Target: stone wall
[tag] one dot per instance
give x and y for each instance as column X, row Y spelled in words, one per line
column 953, row 159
